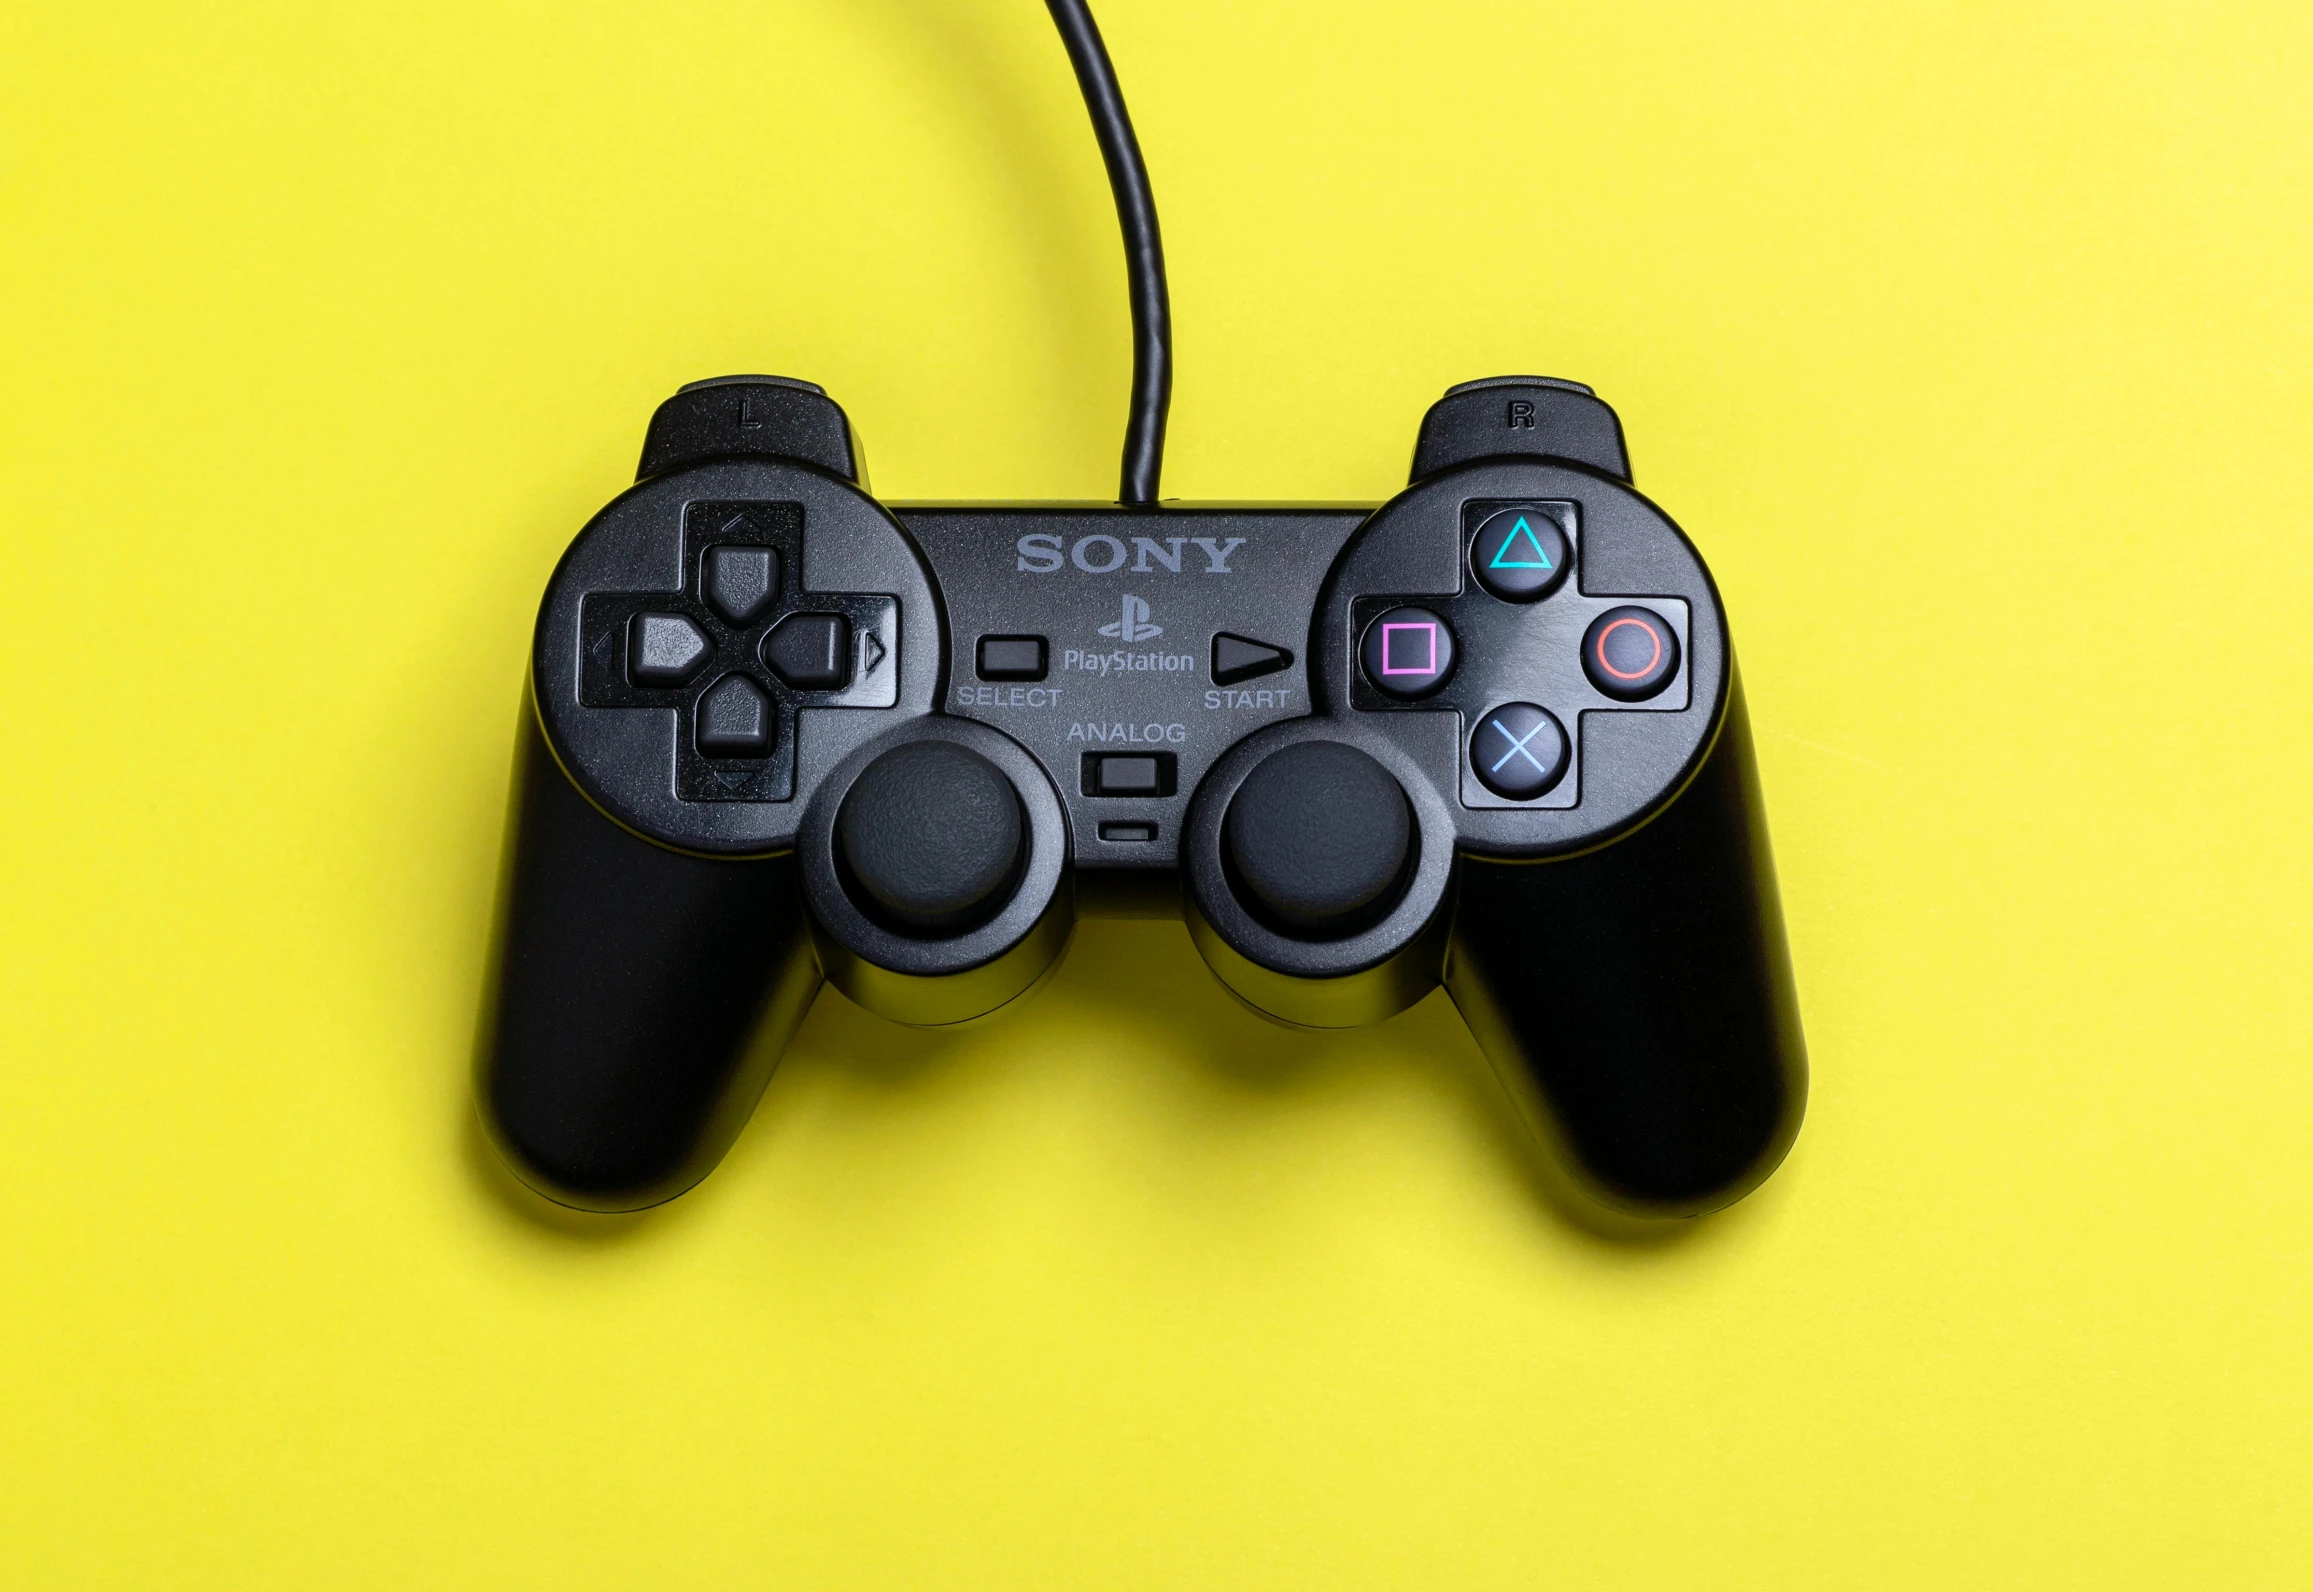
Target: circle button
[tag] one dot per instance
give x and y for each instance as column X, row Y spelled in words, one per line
column 1518, row 751
column 1521, row 555
column 1408, row 652
column 1630, row 653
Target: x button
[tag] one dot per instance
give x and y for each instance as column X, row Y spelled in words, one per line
column 1518, row 751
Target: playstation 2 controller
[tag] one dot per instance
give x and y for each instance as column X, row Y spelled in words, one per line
column 1487, row 735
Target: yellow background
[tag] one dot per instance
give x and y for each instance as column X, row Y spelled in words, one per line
column 1971, row 342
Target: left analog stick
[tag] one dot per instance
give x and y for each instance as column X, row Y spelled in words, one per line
column 931, row 839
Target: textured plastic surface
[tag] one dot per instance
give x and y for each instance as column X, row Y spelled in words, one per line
column 931, row 835
column 753, row 417
column 1520, row 415
column 1318, row 838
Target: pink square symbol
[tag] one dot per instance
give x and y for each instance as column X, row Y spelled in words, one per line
column 1390, row 650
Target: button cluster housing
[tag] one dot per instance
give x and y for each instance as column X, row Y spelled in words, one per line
column 1519, row 649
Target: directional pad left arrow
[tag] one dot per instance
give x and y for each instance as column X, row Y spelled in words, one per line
column 663, row 649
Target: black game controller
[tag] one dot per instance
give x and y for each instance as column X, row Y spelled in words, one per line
column 1488, row 735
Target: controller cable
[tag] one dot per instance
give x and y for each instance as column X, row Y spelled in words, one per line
column 1144, row 252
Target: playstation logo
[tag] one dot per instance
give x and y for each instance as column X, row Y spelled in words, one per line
column 1133, row 624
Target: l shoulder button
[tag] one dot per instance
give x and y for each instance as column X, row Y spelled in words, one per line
column 750, row 415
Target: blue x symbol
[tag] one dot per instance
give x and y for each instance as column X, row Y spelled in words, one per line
column 1518, row 746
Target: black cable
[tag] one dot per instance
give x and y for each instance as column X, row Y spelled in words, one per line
column 1144, row 251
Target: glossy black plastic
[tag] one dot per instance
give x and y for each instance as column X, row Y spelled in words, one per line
column 1611, row 931
column 1638, row 999
column 639, row 999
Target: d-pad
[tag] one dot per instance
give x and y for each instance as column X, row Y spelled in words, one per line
column 739, row 652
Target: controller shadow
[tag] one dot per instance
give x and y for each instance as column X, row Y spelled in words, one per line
column 533, row 1211
column 1146, row 978
column 884, row 1059
column 1148, row 975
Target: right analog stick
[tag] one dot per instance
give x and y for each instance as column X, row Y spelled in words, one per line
column 1318, row 839
column 931, row 838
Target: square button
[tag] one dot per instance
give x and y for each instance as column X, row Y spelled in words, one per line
column 1012, row 658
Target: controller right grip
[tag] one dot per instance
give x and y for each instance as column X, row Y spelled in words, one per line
column 1640, row 995
column 639, row 997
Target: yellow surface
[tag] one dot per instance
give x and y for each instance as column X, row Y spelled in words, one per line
column 1971, row 345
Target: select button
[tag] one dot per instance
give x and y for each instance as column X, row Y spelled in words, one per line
column 1012, row 658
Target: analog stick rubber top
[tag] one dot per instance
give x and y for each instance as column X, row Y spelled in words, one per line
column 1318, row 838
column 932, row 838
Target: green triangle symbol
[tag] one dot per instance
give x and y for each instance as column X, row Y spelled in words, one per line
column 1502, row 558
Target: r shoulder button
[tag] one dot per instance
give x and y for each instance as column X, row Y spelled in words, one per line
column 663, row 649
column 1521, row 554
column 1630, row 653
column 1238, row 658
column 1508, row 416
column 1407, row 652
column 811, row 652
column 734, row 719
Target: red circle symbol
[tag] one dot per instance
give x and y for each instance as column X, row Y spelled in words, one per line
column 1653, row 635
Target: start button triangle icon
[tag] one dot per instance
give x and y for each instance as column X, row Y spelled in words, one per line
column 1242, row 658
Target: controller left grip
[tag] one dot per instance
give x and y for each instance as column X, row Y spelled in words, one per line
column 639, row 997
